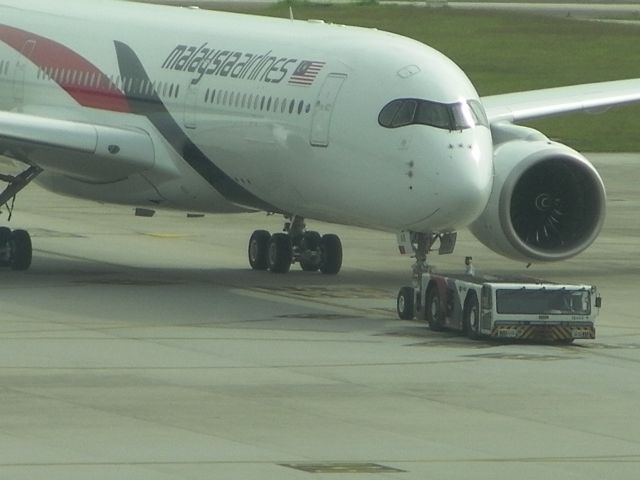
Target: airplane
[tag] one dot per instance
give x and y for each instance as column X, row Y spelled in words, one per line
column 181, row 108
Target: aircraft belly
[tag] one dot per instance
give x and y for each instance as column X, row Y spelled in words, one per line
column 188, row 193
column 133, row 190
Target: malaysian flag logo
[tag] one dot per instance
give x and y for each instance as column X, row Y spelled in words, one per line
column 306, row 73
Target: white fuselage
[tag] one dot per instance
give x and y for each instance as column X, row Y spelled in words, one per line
column 286, row 113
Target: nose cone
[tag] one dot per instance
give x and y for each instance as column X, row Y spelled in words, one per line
column 467, row 179
column 460, row 174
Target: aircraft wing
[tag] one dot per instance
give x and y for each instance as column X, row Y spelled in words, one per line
column 593, row 97
column 94, row 153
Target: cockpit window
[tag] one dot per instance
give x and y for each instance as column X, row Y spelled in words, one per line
column 389, row 112
column 453, row 116
column 406, row 113
column 479, row 115
column 434, row 114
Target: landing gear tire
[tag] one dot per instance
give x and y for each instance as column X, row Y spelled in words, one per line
column 405, row 303
column 5, row 247
column 280, row 253
column 16, row 250
column 259, row 250
column 22, row 250
column 330, row 254
column 435, row 309
column 310, row 247
column 295, row 244
column 471, row 316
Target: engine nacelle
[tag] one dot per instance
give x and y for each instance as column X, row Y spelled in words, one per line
column 548, row 202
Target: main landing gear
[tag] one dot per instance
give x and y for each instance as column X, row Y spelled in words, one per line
column 279, row 251
column 16, row 250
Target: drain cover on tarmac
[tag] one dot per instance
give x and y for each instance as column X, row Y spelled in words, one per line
column 341, row 467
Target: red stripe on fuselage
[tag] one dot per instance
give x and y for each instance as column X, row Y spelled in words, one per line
column 76, row 75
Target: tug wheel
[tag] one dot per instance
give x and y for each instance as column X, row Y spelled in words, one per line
column 404, row 303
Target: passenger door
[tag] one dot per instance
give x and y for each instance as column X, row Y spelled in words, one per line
column 321, row 122
column 191, row 106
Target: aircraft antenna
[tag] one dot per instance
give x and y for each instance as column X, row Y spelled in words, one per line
column 291, row 13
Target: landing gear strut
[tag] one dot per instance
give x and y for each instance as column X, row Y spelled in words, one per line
column 311, row 250
column 419, row 245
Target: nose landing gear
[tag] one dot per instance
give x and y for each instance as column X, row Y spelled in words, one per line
column 279, row 251
column 409, row 303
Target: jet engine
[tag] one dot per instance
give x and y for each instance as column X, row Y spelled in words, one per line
column 548, row 202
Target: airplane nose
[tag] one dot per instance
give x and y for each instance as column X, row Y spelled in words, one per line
column 465, row 180
column 453, row 180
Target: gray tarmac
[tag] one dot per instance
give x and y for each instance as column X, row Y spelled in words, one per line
column 145, row 348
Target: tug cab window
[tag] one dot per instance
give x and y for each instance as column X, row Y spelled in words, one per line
column 452, row 116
